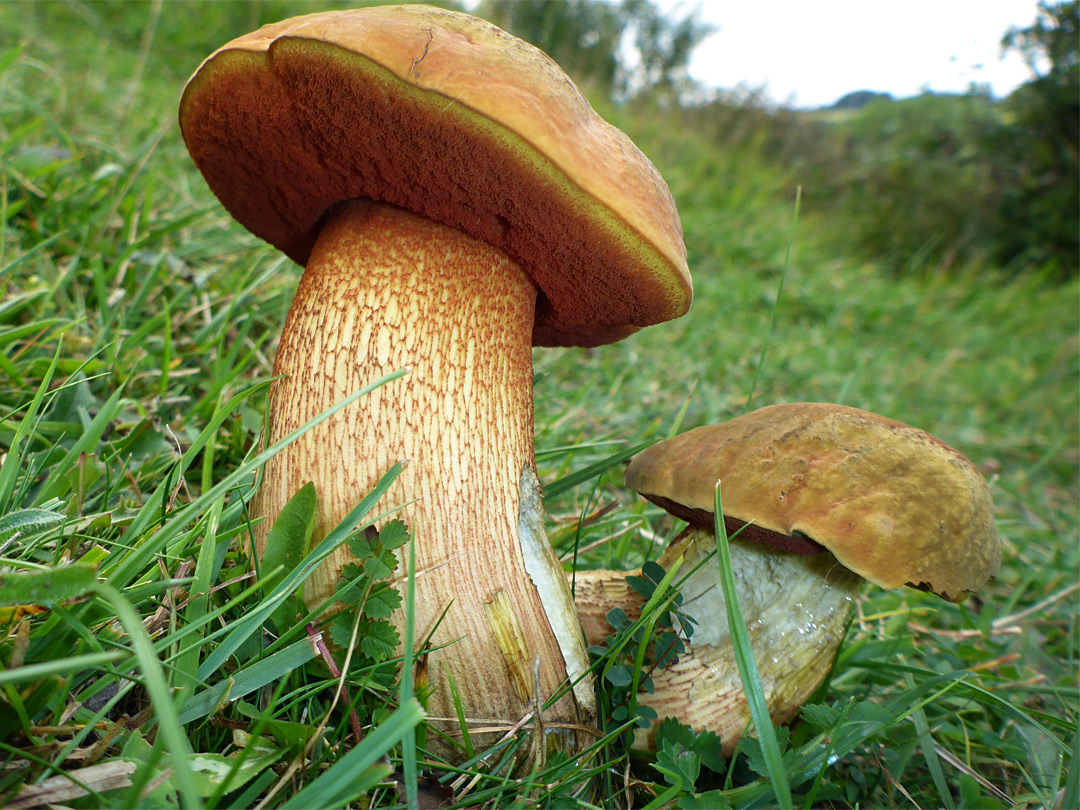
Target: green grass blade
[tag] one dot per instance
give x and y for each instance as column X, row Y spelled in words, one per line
column 13, row 459
column 57, row 484
column 459, row 710
column 1071, row 794
column 930, row 755
column 408, row 742
column 157, row 690
column 135, row 562
column 247, row 680
column 28, row 522
column 33, row 673
column 775, row 305
column 570, row 481
column 660, row 596
column 128, row 566
column 38, row 248
column 346, row 777
column 195, row 615
column 748, row 671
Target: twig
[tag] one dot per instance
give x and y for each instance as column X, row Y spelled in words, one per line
column 294, row 766
column 959, row 634
column 894, row 781
column 316, row 638
column 963, row 768
column 595, row 543
column 1007, row 620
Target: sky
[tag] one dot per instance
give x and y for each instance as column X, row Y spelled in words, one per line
column 809, row 53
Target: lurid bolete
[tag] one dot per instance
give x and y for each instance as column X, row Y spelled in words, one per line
column 824, row 498
column 454, row 200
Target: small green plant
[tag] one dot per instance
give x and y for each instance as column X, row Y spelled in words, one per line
column 637, row 647
column 369, row 598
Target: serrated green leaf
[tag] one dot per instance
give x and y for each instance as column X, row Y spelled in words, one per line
column 379, row 641
column 362, row 544
column 351, row 584
column 376, row 568
column 870, row 712
column 382, row 602
column 709, row 800
column 674, row 759
column 821, row 716
column 340, row 629
column 394, row 535
column 755, row 755
column 826, row 717
column 48, row 587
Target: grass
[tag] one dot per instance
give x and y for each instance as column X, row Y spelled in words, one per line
column 138, row 327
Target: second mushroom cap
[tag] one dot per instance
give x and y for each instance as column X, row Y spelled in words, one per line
column 891, row 502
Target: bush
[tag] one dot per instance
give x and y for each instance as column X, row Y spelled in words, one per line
column 917, row 178
column 937, row 182
column 949, row 179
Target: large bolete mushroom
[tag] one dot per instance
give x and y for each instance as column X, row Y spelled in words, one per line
column 823, row 497
column 454, row 200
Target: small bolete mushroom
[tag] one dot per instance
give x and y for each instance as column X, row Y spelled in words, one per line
column 825, row 497
column 454, row 200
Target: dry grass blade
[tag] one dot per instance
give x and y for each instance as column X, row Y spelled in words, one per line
column 74, row 785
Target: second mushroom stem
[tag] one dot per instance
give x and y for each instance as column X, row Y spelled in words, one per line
column 796, row 609
column 385, row 289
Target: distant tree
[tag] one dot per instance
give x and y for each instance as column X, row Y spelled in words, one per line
column 1041, row 202
column 1052, row 40
column 621, row 49
column 663, row 45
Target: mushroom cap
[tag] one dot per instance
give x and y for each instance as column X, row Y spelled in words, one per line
column 450, row 117
column 891, row 502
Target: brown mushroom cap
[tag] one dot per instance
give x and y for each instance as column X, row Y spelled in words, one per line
column 891, row 502
column 449, row 117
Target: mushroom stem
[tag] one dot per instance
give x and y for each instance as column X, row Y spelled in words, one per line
column 385, row 289
column 796, row 608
